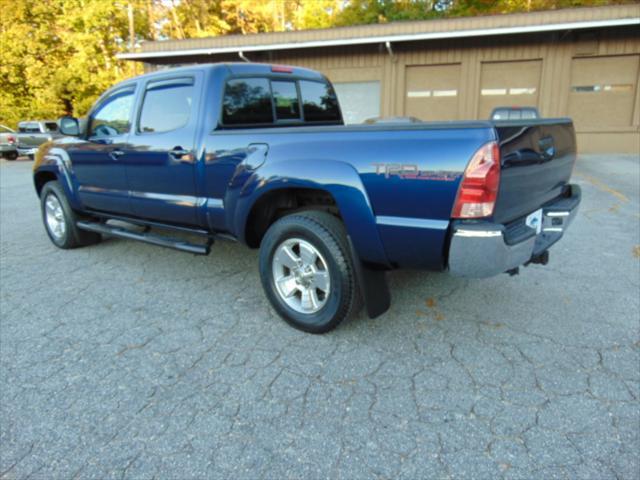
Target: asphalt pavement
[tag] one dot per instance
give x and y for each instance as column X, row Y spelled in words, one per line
column 126, row 360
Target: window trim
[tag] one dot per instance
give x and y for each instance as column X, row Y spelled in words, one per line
column 152, row 84
column 301, row 122
column 102, row 101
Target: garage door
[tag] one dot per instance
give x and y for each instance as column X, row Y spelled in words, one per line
column 508, row 84
column 432, row 92
column 359, row 101
column 603, row 91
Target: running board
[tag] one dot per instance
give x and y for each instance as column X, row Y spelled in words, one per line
column 146, row 237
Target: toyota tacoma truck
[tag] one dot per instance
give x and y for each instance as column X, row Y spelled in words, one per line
column 259, row 154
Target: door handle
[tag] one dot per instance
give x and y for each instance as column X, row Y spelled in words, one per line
column 181, row 154
column 178, row 152
column 116, row 154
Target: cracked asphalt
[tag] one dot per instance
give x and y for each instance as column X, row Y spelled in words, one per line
column 125, row 360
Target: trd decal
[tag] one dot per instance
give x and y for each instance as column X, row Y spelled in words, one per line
column 408, row 171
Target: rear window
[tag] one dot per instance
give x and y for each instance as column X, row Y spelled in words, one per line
column 285, row 96
column 514, row 114
column 247, row 101
column 267, row 101
column 29, row 128
column 319, row 102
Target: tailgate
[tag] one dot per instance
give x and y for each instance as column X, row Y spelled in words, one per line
column 537, row 158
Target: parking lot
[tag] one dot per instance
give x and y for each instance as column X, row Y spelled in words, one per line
column 125, row 360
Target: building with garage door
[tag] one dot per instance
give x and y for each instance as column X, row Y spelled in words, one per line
column 583, row 63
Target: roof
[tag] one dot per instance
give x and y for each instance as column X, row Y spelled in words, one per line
column 517, row 23
column 233, row 68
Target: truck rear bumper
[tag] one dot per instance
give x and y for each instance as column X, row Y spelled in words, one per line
column 485, row 249
column 22, row 150
column 5, row 148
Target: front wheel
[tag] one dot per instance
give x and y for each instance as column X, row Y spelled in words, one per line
column 60, row 220
column 307, row 271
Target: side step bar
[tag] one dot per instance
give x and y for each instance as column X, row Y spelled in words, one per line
column 146, row 237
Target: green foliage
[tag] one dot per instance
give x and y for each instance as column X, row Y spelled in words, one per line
column 57, row 56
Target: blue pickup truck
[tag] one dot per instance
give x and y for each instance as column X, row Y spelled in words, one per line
column 259, row 153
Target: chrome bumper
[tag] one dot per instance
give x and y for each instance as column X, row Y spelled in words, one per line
column 27, row 150
column 485, row 249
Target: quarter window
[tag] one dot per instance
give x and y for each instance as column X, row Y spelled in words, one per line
column 112, row 116
column 247, row 101
column 319, row 102
column 29, row 128
column 167, row 106
column 285, row 96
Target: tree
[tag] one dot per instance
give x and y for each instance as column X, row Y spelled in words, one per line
column 56, row 57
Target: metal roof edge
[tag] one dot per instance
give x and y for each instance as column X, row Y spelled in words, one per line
column 386, row 38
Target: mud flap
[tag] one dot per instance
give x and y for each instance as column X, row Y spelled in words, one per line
column 373, row 286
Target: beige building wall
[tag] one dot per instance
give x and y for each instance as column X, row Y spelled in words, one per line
column 592, row 77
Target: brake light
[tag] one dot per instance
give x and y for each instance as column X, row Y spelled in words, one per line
column 11, row 139
column 281, row 69
column 478, row 189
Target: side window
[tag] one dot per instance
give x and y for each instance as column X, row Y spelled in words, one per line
column 319, row 102
column 285, row 96
column 29, row 128
column 51, row 126
column 111, row 118
column 167, row 106
column 247, row 101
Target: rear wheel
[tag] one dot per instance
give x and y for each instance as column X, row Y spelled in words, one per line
column 60, row 220
column 307, row 271
column 11, row 155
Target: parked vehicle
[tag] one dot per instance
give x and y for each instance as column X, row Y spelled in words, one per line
column 259, row 153
column 514, row 113
column 8, row 143
column 33, row 134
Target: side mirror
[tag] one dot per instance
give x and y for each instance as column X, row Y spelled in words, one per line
column 69, row 126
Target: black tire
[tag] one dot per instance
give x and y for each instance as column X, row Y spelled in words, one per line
column 11, row 155
column 72, row 237
column 327, row 235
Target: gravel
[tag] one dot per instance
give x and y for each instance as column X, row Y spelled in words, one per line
column 125, row 360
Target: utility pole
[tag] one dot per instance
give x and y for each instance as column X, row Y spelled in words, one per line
column 132, row 34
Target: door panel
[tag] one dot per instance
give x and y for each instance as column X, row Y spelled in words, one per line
column 359, row 101
column 603, row 90
column 101, row 176
column 508, row 84
column 433, row 92
column 160, row 155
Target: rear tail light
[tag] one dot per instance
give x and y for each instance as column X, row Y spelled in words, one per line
column 11, row 139
column 478, row 189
